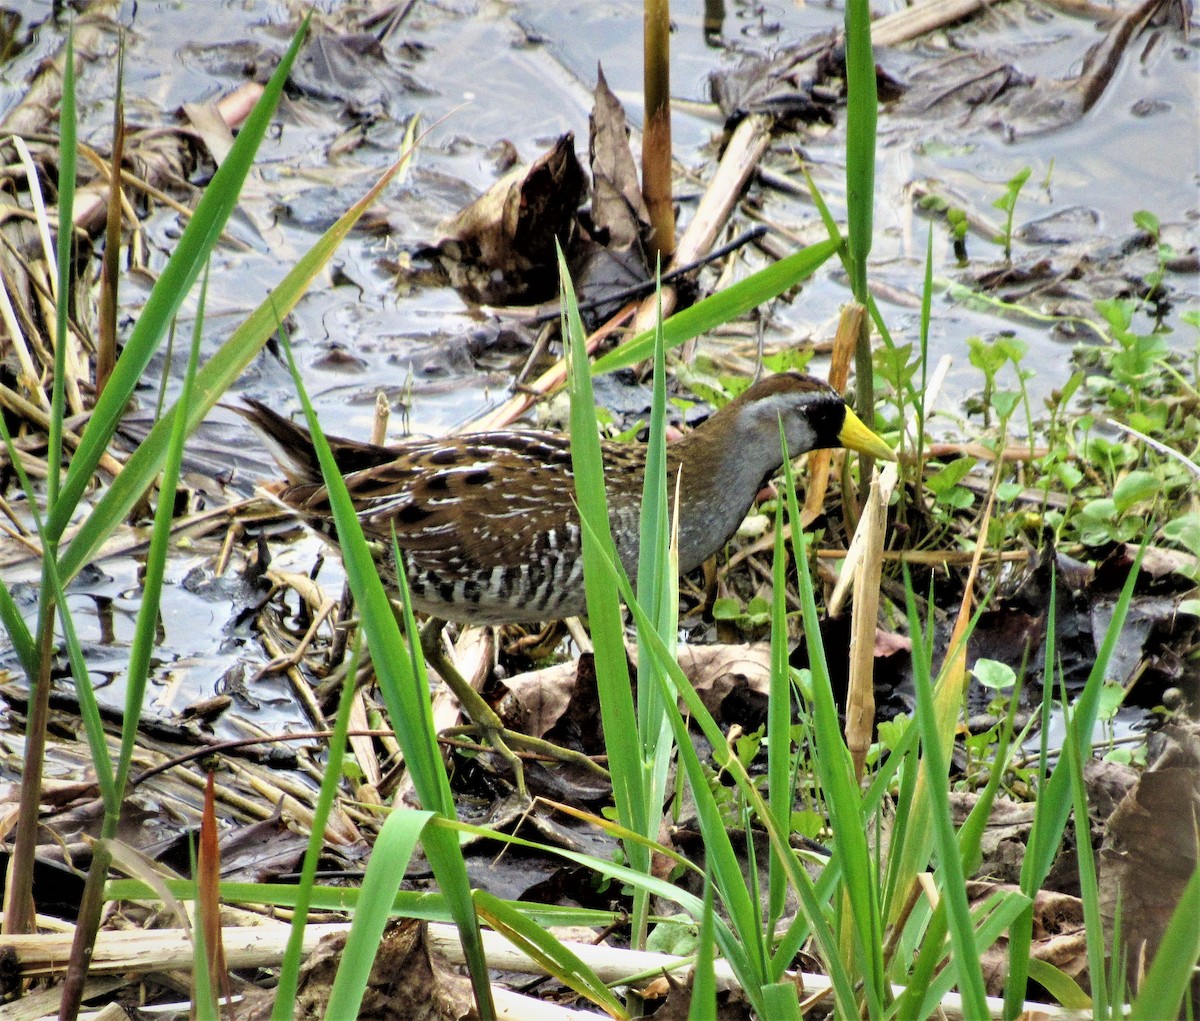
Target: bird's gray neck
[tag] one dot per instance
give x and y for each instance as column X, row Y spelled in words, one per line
column 724, row 463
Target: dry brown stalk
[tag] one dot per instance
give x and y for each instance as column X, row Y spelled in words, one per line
column 656, row 133
column 745, row 149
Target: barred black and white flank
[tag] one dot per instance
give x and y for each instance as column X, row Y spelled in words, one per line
column 487, row 521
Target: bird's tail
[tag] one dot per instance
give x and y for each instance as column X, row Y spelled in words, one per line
column 290, row 444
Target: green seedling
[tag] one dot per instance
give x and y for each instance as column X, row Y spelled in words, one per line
column 1007, row 204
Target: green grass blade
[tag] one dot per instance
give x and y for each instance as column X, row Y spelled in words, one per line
column 925, row 990
column 918, row 992
column 912, row 856
column 407, row 699
column 862, row 104
column 749, row 957
column 658, row 589
column 284, row 1006
column 1053, row 805
column 953, row 883
column 145, row 631
column 902, row 760
column 926, row 319
column 10, row 615
column 393, row 668
column 782, row 1001
column 617, row 709
column 970, row 837
column 89, row 708
column 191, row 252
column 1089, row 889
column 1062, row 987
column 654, row 530
column 67, row 155
column 720, row 308
column 11, row 620
column 730, row 945
column 53, row 597
column 779, row 725
column 389, row 861
column 1020, row 939
column 835, row 770
column 704, row 978
column 547, row 952
column 428, row 906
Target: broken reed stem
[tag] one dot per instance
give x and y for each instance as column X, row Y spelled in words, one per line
column 379, row 425
column 860, row 696
column 819, row 461
column 261, row 946
column 550, row 380
column 28, row 377
column 742, row 155
column 18, row 892
column 18, row 405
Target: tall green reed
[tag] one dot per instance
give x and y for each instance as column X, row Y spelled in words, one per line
column 862, row 103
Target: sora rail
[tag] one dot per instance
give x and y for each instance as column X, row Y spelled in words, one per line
column 487, row 521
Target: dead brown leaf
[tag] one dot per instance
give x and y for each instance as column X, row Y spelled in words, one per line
column 408, row 982
column 1150, row 851
column 501, row 248
column 619, row 217
column 1058, row 934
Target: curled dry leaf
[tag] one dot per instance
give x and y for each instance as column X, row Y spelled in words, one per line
column 501, row 248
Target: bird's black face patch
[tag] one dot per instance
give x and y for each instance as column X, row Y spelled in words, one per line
column 827, row 418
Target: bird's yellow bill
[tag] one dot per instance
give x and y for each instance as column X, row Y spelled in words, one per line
column 856, row 436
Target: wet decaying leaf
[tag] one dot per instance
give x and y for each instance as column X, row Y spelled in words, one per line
column 500, row 249
column 676, row 1001
column 611, row 254
column 560, row 700
column 539, row 699
column 784, row 85
column 408, row 982
column 1059, row 937
column 1004, row 838
column 618, row 219
column 262, row 851
column 977, row 87
column 1148, row 854
column 1151, row 851
column 538, row 879
column 558, row 829
column 1013, row 631
column 1157, row 634
column 355, row 70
